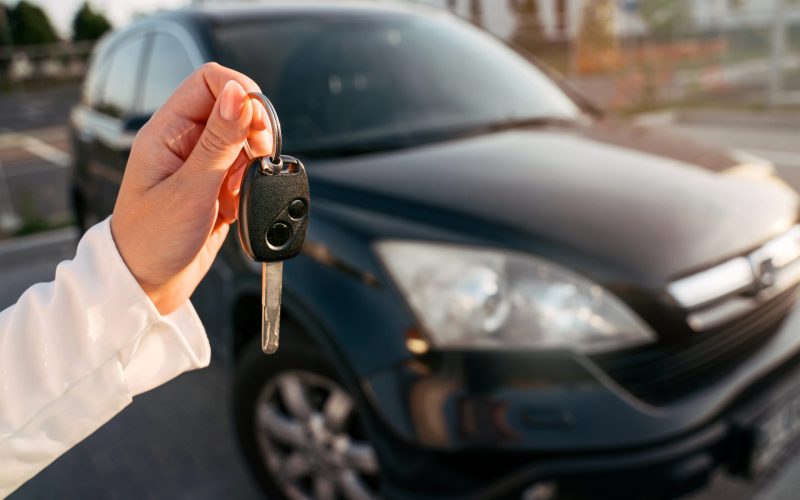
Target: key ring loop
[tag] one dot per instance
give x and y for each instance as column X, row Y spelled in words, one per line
column 276, row 129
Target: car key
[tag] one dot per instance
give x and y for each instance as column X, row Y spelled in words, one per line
column 273, row 218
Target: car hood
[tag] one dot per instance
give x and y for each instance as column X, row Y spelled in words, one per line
column 635, row 202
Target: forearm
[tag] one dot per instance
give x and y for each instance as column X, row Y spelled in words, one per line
column 74, row 351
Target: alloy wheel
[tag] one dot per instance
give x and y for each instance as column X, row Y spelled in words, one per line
column 311, row 439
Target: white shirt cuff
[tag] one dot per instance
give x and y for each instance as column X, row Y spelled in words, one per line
column 172, row 345
column 167, row 346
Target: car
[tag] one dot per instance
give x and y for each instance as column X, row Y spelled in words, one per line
column 504, row 292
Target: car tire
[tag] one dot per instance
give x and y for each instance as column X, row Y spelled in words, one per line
column 298, row 426
column 83, row 218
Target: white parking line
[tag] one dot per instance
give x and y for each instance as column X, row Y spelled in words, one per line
column 36, row 146
column 45, row 151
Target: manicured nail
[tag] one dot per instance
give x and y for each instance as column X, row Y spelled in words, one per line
column 231, row 101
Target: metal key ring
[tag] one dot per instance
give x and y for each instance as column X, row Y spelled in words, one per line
column 276, row 129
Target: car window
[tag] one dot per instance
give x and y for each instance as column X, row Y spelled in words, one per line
column 120, row 87
column 167, row 67
column 95, row 78
column 353, row 83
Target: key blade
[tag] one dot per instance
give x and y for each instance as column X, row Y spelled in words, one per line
column 271, row 289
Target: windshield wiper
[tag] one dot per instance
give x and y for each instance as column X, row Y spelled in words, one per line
column 532, row 121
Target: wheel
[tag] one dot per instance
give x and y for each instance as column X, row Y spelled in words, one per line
column 299, row 428
column 84, row 219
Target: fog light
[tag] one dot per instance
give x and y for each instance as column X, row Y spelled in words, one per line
column 540, row 491
column 415, row 343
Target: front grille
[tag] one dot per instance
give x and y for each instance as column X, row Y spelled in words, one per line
column 660, row 373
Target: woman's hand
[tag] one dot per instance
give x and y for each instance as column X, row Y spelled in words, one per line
column 180, row 192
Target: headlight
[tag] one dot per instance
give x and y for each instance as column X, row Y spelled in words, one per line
column 480, row 298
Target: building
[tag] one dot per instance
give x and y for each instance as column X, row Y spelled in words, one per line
column 561, row 19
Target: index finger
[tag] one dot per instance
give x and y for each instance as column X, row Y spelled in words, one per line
column 195, row 97
column 260, row 140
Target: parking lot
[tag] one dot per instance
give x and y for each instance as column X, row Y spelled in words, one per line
column 177, row 441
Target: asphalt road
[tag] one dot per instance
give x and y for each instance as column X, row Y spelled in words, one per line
column 177, row 441
column 37, row 108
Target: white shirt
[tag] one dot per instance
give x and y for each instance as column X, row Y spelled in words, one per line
column 73, row 353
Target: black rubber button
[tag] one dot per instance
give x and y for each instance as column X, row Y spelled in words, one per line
column 297, row 209
column 279, row 234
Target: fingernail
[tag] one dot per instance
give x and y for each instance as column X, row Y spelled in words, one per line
column 231, row 101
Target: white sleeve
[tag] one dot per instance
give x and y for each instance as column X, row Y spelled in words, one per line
column 73, row 352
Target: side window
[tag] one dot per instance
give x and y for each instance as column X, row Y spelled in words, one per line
column 119, row 89
column 169, row 64
column 97, row 75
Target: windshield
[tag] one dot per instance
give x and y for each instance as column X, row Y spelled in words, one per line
column 355, row 84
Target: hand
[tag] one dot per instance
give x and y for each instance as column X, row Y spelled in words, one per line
column 180, row 192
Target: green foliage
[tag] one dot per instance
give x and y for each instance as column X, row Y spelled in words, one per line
column 32, row 219
column 666, row 17
column 89, row 24
column 5, row 28
column 30, row 25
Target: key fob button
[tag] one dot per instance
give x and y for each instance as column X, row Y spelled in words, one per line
column 297, row 209
column 279, row 235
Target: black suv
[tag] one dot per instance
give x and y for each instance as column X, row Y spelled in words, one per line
column 502, row 292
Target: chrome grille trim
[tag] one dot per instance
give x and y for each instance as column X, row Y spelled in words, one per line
column 724, row 292
column 737, row 305
column 710, row 285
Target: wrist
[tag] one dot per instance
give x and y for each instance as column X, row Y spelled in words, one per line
column 154, row 291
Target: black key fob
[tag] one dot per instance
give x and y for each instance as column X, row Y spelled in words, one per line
column 273, row 209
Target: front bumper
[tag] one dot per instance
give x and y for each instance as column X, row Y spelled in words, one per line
column 485, row 425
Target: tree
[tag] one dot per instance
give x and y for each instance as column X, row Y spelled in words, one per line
column 665, row 17
column 30, row 25
column 476, row 12
column 5, row 29
column 561, row 18
column 528, row 30
column 5, row 62
column 89, row 24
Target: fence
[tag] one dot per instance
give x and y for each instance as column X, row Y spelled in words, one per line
column 42, row 64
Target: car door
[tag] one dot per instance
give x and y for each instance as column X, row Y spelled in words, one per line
column 108, row 130
column 83, row 125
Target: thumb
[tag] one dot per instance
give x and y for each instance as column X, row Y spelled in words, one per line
column 224, row 134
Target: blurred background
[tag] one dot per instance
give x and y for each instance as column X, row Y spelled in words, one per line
column 726, row 72
column 698, row 63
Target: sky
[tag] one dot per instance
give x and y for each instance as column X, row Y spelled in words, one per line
column 119, row 12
